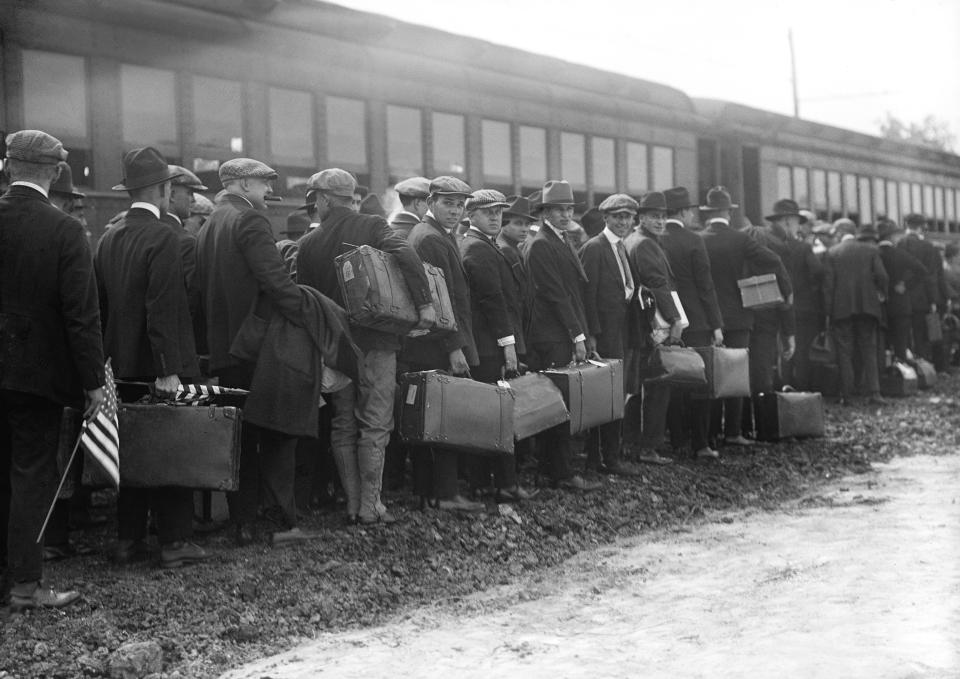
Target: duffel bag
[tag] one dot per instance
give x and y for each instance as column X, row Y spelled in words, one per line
column 788, row 414
column 593, row 392
column 675, row 365
column 538, row 405
column 727, row 371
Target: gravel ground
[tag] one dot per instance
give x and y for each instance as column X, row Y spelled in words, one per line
column 250, row 602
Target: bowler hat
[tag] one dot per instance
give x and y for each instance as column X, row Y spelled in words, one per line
column 518, row 207
column 187, row 178
column 619, row 202
column 653, row 201
column 557, row 193
column 786, row 208
column 64, row 183
column 678, row 198
column 144, row 167
column 718, row 198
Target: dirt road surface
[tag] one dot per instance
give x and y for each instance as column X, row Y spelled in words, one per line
column 861, row 580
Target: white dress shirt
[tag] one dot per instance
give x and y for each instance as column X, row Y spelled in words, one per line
column 614, row 239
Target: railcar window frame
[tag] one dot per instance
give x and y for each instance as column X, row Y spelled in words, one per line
column 435, row 160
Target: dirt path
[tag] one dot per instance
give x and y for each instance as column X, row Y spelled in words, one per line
column 859, row 581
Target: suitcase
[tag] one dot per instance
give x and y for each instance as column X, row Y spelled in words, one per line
column 926, row 373
column 457, row 412
column 675, row 365
column 727, row 371
column 538, row 406
column 760, row 292
column 446, row 322
column 899, row 380
column 374, row 292
column 593, row 392
column 788, row 414
column 167, row 445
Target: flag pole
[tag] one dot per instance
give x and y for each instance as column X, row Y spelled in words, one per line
column 63, row 480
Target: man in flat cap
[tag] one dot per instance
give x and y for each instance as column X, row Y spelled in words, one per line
column 182, row 190
column 924, row 299
column 148, row 334
column 558, row 320
column 363, row 416
column 514, row 232
column 607, row 295
column 413, row 194
column 237, row 260
column 48, row 293
column 435, row 242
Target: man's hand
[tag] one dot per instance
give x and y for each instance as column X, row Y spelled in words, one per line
column 510, row 358
column 428, row 317
column 93, row 401
column 580, row 352
column 900, row 287
column 458, row 363
column 718, row 337
column 676, row 330
column 791, row 347
column 591, row 344
column 166, row 386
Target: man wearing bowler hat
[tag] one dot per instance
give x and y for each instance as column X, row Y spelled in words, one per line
column 558, row 321
column 607, row 296
column 926, row 298
column 148, row 334
column 47, row 293
column 690, row 264
column 413, row 194
column 730, row 252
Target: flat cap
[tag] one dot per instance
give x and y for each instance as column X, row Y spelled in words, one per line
column 243, row 168
column 414, row 187
column 35, row 146
column 333, row 180
column 486, row 198
column 449, row 186
column 619, row 202
column 844, row 226
column 186, row 178
column 201, row 205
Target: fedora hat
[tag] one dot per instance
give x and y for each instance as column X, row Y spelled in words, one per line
column 653, row 201
column 144, row 167
column 786, row 208
column 518, row 206
column 678, row 198
column 718, row 198
column 557, row 193
column 64, row 183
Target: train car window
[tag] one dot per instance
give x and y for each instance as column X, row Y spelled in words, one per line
column 938, row 209
column 55, row 94
column 784, row 181
column 449, row 144
column 818, row 202
column 866, row 205
column 404, row 142
column 533, row 158
column 916, row 198
column 638, row 171
column 879, row 197
column 663, row 174
column 603, row 166
column 346, row 121
column 893, row 210
column 148, row 107
column 904, row 199
column 218, row 114
column 573, row 159
column 291, row 127
column 927, row 209
column 497, row 156
column 850, row 202
column 834, row 195
column 801, row 186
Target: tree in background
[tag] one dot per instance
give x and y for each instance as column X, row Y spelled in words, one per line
column 932, row 132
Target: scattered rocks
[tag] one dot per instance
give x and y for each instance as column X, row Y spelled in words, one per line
column 135, row 660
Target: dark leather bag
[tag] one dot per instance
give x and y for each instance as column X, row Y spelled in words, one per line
column 788, row 414
column 934, row 328
column 727, row 371
column 375, row 293
column 926, row 373
column 446, row 321
column 823, row 349
column 538, row 406
column 593, row 392
column 899, row 380
column 457, row 412
column 675, row 365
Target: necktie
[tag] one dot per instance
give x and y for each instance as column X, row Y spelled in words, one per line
column 625, row 264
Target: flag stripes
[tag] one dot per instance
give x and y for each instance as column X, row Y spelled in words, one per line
column 101, row 436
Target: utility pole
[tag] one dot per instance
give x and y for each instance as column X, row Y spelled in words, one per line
column 793, row 74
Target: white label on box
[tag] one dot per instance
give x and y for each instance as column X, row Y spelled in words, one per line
column 411, row 394
column 347, row 272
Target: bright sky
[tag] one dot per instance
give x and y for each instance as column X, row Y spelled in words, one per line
column 856, row 59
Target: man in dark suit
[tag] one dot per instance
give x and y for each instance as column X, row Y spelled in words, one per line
column 435, row 242
column 690, row 264
column 731, row 252
column 514, row 232
column 413, row 194
column 558, row 322
column 182, row 190
column 924, row 299
column 363, row 416
column 854, row 287
column 607, row 296
column 904, row 272
column 148, row 335
column 48, row 295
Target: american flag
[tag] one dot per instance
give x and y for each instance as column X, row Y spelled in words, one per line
column 195, row 393
column 101, row 435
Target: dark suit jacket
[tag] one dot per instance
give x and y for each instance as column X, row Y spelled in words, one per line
column 437, row 246
column 901, row 267
column 50, row 343
column 144, row 309
column 691, row 269
column 495, row 294
column 514, row 257
column 237, row 258
column 731, row 252
column 188, row 259
column 557, row 313
column 855, row 280
column 603, row 297
column 343, row 229
column 403, row 223
column 922, row 296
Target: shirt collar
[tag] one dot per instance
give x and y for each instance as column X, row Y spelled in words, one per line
column 149, row 207
column 174, row 217
column 720, row 220
column 611, row 236
column 675, row 221
column 436, row 221
column 31, row 185
column 847, row 236
column 554, row 229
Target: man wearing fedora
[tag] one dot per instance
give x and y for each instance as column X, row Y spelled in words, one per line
column 730, row 252
column 63, row 194
column 690, row 264
column 148, row 334
column 905, row 272
column 558, row 321
column 926, row 298
column 413, row 194
column 48, row 292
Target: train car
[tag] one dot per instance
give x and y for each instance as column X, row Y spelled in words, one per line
column 303, row 85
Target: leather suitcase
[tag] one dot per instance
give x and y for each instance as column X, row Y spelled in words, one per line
column 760, row 292
column 926, row 373
column 167, row 445
column 374, row 292
column 446, row 321
column 593, row 392
column 899, row 380
column 727, row 371
column 436, row 408
column 538, row 406
column 788, row 414
column 675, row 365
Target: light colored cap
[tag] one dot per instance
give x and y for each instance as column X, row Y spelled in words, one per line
column 201, row 205
column 486, row 198
column 333, row 180
column 187, row 178
column 243, row 168
column 414, row 187
column 449, row 186
column 35, row 146
column 619, row 202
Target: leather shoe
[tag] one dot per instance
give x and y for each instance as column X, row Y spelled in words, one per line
column 128, row 551
column 739, row 440
column 707, row 453
column 243, row 535
column 458, row 503
column 64, row 551
column 379, row 517
column 178, row 554
column 515, row 494
column 650, row 456
column 41, row 597
column 292, row 535
column 620, row 468
column 577, row 482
